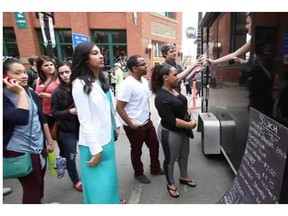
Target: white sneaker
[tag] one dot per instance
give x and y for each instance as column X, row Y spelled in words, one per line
column 7, row 191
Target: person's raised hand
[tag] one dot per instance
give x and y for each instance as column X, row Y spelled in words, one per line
column 240, row 60
column 13, row 85
column 208, row 62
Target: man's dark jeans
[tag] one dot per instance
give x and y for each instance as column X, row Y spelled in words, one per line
column 147, row 134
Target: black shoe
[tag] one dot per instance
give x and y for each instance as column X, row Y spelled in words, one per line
column 160, row 172
column 143, row 179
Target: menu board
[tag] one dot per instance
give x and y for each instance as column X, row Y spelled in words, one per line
column 260, row 175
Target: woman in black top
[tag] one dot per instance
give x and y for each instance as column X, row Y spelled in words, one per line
column 63, row 109
column 175, row 126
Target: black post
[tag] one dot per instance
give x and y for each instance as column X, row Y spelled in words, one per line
column 49, row 47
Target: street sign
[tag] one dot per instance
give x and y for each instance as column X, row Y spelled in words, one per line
column 79, row 38
column 20, row 20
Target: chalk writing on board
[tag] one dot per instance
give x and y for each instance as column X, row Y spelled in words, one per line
column 260, row 174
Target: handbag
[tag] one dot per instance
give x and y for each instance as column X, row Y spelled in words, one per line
column 54, row 131
column 189, row 132
column 20, row 166
column 16, row 167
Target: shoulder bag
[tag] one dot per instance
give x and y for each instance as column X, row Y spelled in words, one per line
column 55, row 130
column 20, row 166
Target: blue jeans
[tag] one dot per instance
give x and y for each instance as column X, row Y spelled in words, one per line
column 67, row 143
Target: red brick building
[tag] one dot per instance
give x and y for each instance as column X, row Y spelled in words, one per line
column 129, row 32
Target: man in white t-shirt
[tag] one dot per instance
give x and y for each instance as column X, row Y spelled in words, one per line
column 133, row 108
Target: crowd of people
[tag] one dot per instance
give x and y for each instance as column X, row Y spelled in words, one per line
column 76, row 95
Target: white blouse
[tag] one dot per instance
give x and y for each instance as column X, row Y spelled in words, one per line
column 94, row 115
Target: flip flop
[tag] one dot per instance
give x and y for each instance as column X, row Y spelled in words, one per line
column 174, row 190
column 190, row 183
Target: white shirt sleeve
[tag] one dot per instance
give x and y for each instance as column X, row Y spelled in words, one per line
column 82, row 103
column 125, row 92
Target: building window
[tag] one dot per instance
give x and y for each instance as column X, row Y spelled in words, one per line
column 157, row 49
column 10, row 47
column 171, row 15
column 64, row 48
column 111, row 44
column 239, row 34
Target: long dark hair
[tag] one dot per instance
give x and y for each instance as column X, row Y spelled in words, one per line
column 65, row 89
column 81, row 70
column 157, row 76
column 40, row 61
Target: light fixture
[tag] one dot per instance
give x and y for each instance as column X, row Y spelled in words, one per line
column 148, row 48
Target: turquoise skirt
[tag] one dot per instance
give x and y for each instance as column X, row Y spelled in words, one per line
column 100, row 183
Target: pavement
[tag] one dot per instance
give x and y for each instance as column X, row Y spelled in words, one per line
column 212, row 174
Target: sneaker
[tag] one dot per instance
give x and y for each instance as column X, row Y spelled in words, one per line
column 78, row 187
column 7, row 191
column 160, row 172
column 143, row 179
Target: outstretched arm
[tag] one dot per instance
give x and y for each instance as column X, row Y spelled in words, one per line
column 189, row 69
column 235, row 55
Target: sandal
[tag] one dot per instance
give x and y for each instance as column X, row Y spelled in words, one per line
column 123, row 201
column 190, row 183
column 174, row 190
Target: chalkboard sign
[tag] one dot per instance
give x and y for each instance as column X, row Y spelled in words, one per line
column 260, row 175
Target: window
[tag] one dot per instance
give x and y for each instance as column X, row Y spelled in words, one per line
column 10, row 47
column 111, row 43
column 171, row 15
column 239, row 33
column 63, row 47
column 157, row 49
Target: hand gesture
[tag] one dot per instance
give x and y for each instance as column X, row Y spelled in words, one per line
column 134, row 126
column 240, row 60
column 193, row 123
column 44, row 94
column 208, row 62
column 13, row 85
column 73, row 111
column 198, row 61
column 95, row 159
column 50, row 147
